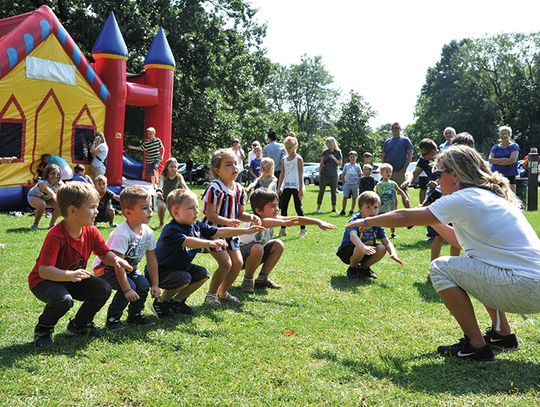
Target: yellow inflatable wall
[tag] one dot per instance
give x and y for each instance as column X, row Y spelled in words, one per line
column 50, row 111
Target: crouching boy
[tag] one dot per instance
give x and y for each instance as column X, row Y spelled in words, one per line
column 360, row 250
column 132, row 240
column 261, row 247
column 60, row 275
column 181, row 239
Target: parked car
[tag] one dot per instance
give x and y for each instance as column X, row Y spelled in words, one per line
column 311, row 164
column 310, row 173
column 376, row 172
column 182, row 169
column 317, row 178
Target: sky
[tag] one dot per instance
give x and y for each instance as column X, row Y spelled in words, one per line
column 383, row 48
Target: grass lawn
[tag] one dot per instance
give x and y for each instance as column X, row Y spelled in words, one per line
column 352, row 344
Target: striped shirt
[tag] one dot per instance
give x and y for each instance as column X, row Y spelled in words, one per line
column 227, row 200
column 152, row 148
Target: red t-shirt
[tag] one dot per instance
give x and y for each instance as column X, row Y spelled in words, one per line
column 67, row 253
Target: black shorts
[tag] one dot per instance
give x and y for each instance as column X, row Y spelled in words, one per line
column 511, row 178
column 422, row 182
column 346, row 252
column 173, row 279
column 245, row 250
column 102, row 215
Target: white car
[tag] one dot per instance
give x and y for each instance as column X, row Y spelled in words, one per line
column 410, row 169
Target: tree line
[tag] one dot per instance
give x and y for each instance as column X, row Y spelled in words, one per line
column 226, row 86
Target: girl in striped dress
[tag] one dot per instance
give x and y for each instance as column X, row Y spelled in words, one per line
column 224, row 201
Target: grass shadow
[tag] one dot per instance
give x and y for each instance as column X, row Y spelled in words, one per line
column 22, row 229
column 343, row 283
column 426, row 291
column 457, row 377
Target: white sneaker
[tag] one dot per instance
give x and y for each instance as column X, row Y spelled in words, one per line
column 318, row 210
column 303, row 233
column 283, row 233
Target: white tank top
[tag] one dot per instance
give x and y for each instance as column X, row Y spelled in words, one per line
column 290, row 177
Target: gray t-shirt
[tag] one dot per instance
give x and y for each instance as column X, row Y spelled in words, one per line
column 330, row 167
column 276, row 152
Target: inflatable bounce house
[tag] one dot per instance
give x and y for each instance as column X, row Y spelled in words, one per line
column 52, row 100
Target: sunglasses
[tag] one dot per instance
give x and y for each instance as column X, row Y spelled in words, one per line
column 437, row 173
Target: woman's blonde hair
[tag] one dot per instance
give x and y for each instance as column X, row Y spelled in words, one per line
column 331, row 144
column 473, row 170
column 505, row 130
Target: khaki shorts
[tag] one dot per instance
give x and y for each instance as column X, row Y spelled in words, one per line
column 245, row 250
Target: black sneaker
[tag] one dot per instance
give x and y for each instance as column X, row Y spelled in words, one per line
column 354, row 274
column 86, row 330
column 351, row 213
column 113, row 324
column 464, row 350
column 365, row 271
column 342, row 213
column 501, row 343
column 140, row 319
column 43, row 336
column 160, row 309
column 180, row 307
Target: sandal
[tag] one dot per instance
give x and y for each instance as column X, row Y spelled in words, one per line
column 227, row 297
column 212, row 300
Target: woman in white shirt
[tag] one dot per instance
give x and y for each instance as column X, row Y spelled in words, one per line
column 501, row 265
column 99, row 150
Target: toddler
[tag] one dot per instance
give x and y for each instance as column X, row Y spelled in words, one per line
column 387, row 191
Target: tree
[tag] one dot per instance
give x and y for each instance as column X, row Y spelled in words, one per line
column 354, row 132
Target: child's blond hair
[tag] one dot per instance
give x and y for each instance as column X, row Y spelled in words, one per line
column 290, row 141
column 386, row 166
column 177, row 196
column 100, row 179
column 368, row 166
column 131, row 195
column 75, row 193
column 267, row 164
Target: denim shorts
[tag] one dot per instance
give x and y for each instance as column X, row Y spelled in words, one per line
column 151, row 167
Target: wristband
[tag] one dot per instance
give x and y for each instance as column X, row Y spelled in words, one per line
column 127, row 291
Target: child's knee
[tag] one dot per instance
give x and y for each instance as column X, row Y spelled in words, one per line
column 278, row 246
column 256, row 251
column 61, row 303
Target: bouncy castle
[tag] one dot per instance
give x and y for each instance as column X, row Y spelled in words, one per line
column 52, row 100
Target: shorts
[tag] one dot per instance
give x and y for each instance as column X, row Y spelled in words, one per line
column 422, row 182
column 431, row 233
column 350, row 191
column 173, row 279
column 151, row 167
column 102, row 215
column 97, row 171
column 346, row 252
column 245, row 250
column 511, row 178
column 495, row 287
column 232, row 244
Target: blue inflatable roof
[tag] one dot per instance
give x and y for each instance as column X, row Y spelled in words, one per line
column 160, row 51
column 110, row 40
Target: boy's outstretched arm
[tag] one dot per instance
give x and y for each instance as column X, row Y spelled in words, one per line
column 230, row 232
column 391, row 250
column 198, row 243
column 281, row 221
column 304, row 220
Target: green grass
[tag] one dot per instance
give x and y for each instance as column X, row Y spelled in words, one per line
column 352, row 342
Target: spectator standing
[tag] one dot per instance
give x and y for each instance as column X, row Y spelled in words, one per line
column 99, row 150
column 240, row 157
column 503, row 156
column 154, row 154
column 397, row 151
column 275, row 151
column 189, row 169
column 449, row 133
column 330, row 161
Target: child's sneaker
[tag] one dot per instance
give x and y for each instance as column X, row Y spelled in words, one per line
column 180, row 307
column 34, row 227
column 464, row 350
column 113, row 324
column 267, row 283
column 283, row 233
column 86, row 330
column 43, row 336
column 351, row 213
column 228, row 297
column 303, row 233
column 393, row 235
column 160, row 309
column 140, row 319
column 342, row 213
column 501, row 343
column 318, row 210
column 212, row 300
column 247, row 286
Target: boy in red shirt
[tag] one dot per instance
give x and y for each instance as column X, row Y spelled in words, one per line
column 60, row 275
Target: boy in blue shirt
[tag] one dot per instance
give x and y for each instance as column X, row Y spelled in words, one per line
column 181, row 239
column 360, row 250
column 351, row 181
